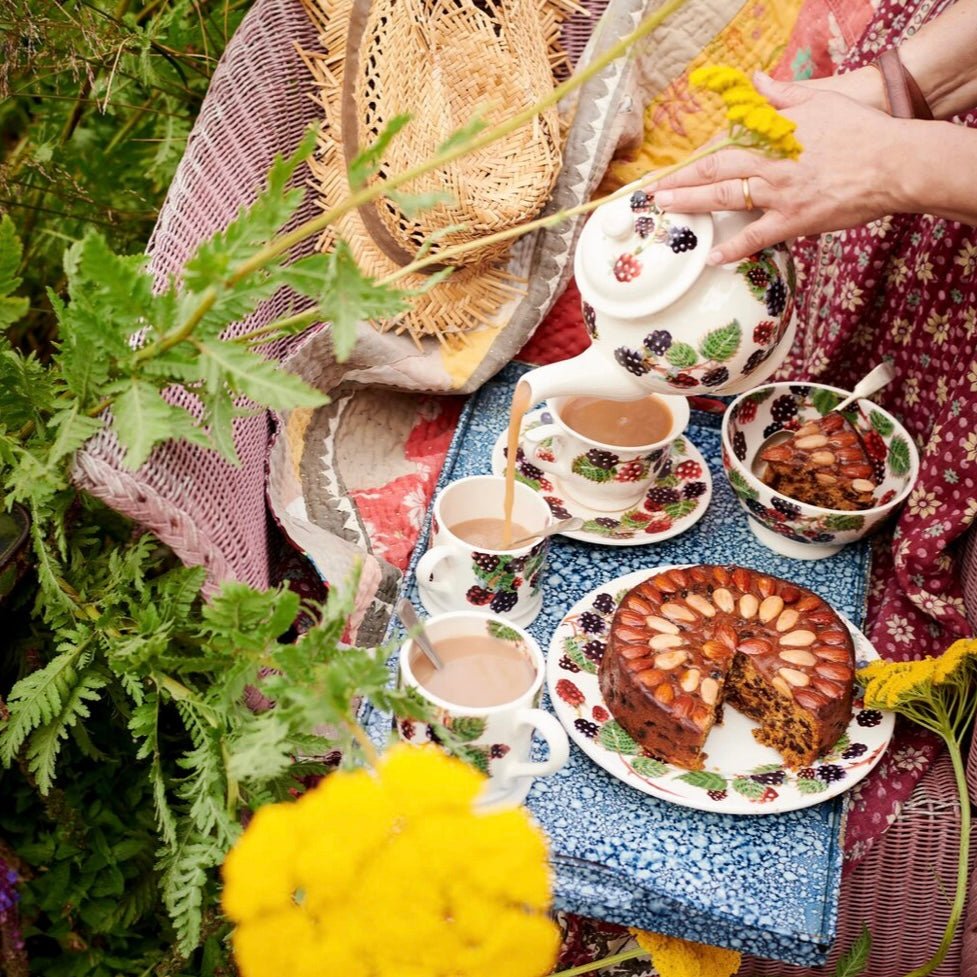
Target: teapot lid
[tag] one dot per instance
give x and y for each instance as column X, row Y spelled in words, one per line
column 633, row 259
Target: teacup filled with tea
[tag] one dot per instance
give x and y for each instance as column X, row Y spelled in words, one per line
column 478, row 557
column 607, row 453
column 486, row 694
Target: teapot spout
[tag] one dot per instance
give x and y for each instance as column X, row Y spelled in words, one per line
column 588, row 374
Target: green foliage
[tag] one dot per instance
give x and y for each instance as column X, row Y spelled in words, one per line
column 855, row 959
column 123, row 670
column 90, row 90
column 11, row 309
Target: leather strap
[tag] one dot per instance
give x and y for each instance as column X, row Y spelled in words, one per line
column 905, row 99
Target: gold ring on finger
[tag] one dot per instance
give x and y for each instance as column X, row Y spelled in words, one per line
column 747, row 198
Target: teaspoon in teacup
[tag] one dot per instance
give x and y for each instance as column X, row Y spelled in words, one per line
column 563, row 526
column 407, row 614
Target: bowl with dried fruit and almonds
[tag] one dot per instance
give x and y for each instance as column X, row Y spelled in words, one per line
column 812, row 479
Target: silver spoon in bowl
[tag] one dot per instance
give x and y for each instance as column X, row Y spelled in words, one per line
column 872, row 382
column 415, row 628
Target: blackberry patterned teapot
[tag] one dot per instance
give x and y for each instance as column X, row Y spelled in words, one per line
column 663, row 321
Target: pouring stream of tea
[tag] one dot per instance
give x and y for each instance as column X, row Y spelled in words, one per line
column 520, row 404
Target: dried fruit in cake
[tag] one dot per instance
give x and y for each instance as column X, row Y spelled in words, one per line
column 687, row 641
column 823, row 463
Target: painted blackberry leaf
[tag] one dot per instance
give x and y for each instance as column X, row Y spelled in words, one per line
column 760, row 396
column 634, row 519
column 740, row 486
column 646, row 766
column 680, row 509
column 811, row 786
column 899, row 456
column 533, row 483
column 477, row 756
column 593, row 526
column 704, row 779
column 845, row 523
column 824, row 401
column 468, row 728
column 680, row 447
column 503, row 632
column 843, row 743
column 585, row 468
column 748, row 788
column 681, row 355
column 881, row 423
column 721, row 344
column 574, row 652
column 614, row 737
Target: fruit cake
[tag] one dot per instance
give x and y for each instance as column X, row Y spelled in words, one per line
column 687, row 641
column 823, row 463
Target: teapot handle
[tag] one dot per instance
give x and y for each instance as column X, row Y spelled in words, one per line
column 559, row 466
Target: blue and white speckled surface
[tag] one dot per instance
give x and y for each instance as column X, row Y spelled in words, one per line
column 765, row 885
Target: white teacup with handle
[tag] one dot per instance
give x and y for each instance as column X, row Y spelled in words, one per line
column 594, row 465
column 468, row 565
column 486, row 695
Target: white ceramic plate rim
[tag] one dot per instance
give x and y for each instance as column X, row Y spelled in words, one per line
column 733, row 730
column 575, row 508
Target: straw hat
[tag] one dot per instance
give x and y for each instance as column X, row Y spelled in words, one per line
column 442, row 62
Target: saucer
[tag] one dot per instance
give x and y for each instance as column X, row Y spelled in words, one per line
column 523, row 615
column 674, row 502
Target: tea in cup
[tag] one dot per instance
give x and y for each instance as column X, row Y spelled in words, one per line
column 487, row 695
column 471, row 564
column 606, row 453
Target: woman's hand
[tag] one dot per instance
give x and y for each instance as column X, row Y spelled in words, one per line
column 848, row 172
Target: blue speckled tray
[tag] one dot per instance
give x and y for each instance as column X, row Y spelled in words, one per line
column 764, row 885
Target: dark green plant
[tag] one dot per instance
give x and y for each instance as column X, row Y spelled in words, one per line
column 96, row 100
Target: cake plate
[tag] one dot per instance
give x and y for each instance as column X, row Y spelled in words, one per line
column 741, row 776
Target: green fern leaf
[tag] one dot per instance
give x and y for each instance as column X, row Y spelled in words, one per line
column 262, row 751
column 36, row 700
column 166, row 820
column 11, row 309
column 44, row 744
column 185, row 876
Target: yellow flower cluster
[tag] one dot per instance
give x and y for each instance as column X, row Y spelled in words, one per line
column 673, row 957
column 890, row 685
column 749, row 113
column 391, row 874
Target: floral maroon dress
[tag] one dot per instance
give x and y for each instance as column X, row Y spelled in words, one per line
column 903, row 289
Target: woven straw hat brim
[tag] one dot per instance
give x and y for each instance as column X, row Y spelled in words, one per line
column 442, row 62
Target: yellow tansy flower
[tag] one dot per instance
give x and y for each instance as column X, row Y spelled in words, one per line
column 391, row 874
column 754, row 122
column 955, row 657
column 673, row 957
